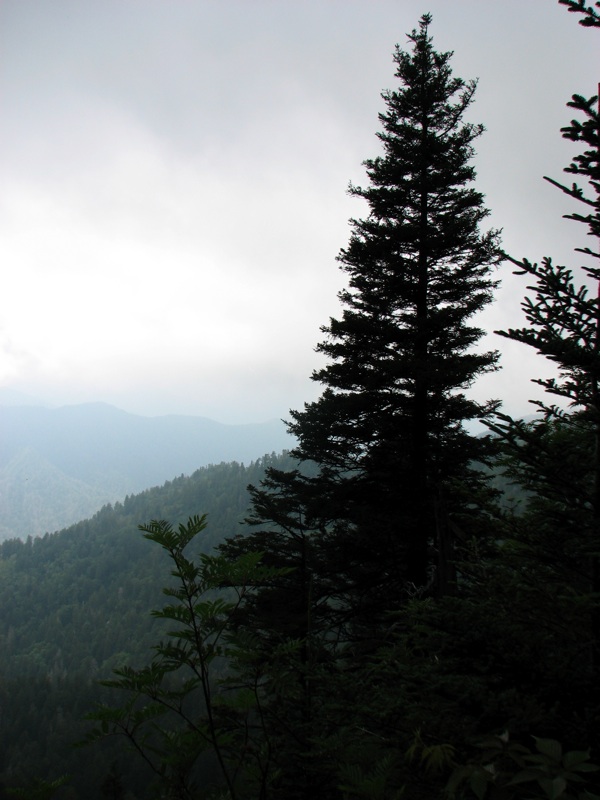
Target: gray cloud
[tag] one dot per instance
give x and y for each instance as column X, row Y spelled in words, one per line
column 174, row 183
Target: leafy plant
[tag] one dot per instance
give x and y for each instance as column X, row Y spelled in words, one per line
column 356, row 782
column 433, row 758
column 506, row 769
column 185, row 711
column 40, row 789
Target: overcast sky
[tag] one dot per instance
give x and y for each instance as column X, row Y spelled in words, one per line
column 174, row 177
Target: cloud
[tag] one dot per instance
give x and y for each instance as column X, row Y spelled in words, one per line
column 174, row 181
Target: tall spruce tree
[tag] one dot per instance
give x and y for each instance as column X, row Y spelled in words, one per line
column 394, row 459
column 387, row 468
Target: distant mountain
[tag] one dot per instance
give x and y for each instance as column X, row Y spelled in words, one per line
column 36, row 496
column 60, row 465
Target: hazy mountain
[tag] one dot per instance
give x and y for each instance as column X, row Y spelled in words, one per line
column 58, row 465
column 36, row 496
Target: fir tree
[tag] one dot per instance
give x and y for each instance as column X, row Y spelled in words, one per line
column 394, row 461
column 385, row 462
column 563, row 325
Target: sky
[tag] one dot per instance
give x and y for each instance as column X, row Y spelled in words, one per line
column 174, row 179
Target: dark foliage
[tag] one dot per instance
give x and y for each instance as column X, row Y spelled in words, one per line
column 387, row 437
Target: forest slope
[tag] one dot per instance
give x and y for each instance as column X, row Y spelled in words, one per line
column 58, row 466
column 75, row 604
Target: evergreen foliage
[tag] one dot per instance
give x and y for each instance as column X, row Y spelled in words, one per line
column 388, row 433
column 558, row 457
column 591, row 17
column 387, row 471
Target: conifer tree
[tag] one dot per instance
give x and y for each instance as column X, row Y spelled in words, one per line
column 563, row 325
column 386, row 466
column 388, row 432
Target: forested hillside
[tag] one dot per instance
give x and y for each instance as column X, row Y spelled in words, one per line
column 77, row 603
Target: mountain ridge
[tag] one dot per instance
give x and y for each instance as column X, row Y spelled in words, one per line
column 111, row 451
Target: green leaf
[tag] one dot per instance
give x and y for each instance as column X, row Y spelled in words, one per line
column 479, row 782
column 458, row 777
column 585, row 768
column 574, row 758
column 550, row 748
column 525, row 776
column 553, row 788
